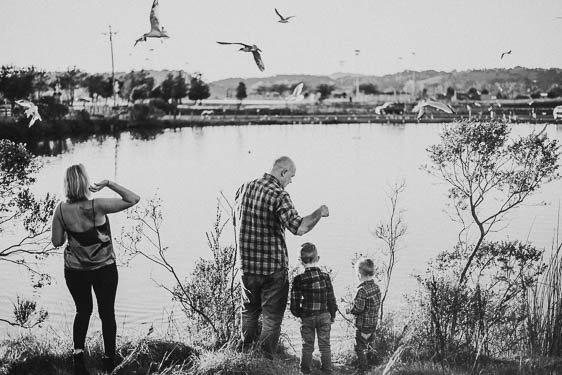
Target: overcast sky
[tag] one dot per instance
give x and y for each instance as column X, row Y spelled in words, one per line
column 321, row 39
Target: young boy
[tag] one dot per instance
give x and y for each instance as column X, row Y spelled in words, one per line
column 313, row 300
column 365, row 308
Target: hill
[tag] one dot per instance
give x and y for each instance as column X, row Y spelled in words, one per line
column 511, row 82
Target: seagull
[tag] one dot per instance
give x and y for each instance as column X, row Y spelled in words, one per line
column 250, row 48
column 31, row 110
column 297, row 92
column 283, row 19
column 505, row 53
column 379, row 110
column 420, row 107
column 156, row 31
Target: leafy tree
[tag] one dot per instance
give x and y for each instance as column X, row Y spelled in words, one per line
column 71, row 80
column 369, row 88
column 198, row 90
column 241, row 91
column 100, row 85
column 41, row 82
column 50, row 109
column 450, row 92
column 325, row 90
column 473, row 94
column 136, row 85
column 18, row 206
column 16, row 83
column 180, row 88
column 489, row 174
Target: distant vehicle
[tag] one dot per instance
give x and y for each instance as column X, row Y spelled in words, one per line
column 557, row 112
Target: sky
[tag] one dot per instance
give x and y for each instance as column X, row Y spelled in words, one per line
column 391, row 35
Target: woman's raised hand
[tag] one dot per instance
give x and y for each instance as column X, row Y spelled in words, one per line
column 97, row 186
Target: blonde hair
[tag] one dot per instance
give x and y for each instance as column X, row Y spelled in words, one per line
column 365, row 267
column 76, row 183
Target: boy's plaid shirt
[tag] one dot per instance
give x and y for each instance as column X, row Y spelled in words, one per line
column 366, row 305
column 312, row 293
column 264, row 211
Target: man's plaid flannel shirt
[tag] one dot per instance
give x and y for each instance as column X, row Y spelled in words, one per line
column 265, row 210
column 312, row 293
column 366, row 306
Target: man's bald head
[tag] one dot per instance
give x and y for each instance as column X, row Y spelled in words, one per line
column 284, row 170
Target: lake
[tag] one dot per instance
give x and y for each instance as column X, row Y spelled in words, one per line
column 348, row 167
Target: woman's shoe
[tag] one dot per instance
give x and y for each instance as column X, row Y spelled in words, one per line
column 108, row 364
column 79, row 365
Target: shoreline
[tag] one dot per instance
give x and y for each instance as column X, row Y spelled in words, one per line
column 18, row 131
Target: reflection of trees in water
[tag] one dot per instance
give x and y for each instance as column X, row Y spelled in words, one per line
column 145, row 134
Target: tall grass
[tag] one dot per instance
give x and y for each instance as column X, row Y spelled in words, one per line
column 544, row 307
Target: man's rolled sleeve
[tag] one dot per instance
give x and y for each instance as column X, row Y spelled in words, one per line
column 287, row 214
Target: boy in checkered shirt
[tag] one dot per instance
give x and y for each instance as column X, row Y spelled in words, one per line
column 366, row 309
column 313, row 300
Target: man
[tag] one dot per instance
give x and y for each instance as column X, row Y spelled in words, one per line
column 264, row 211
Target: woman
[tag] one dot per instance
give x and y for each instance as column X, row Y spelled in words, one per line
column 89, row 259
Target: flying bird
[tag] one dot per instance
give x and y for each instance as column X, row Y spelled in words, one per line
column 31, row 110
column 379, row 110
column 283, row 19
column 505, row 53
column 297, row 92
column 420, row 107
column 156, row 31
column 250, row 48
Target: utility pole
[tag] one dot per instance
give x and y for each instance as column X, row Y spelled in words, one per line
column 111, row 33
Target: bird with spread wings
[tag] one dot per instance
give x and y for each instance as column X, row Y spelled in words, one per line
column 253, row 49
column 31, row 110
column 505, row 53
column 420, row 107
column 283, row 19
column 297, row 92
column 156, row 31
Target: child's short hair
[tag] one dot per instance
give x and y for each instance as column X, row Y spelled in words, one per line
column 365, row 267
column 308, row 252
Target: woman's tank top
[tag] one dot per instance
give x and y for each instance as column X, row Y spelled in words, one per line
column 90, row 249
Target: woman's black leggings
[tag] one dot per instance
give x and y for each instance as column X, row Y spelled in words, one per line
column 104, row 281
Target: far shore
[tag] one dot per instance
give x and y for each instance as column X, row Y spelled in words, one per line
column 15, row 130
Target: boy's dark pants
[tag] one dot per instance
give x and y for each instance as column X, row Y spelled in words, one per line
column 319, row 325
column 362, row 341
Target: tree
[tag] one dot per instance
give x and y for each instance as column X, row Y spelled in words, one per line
column 369, row 89
column 41, row 82
column 136, row 85
column 325, row 90
column 100, row 85
column 18, row 206
column 473, row 94
column 16, row 83
column 489, row 174
column 450, row 92
column 241, row 91
column 180, row 88
column 198, row 90
column 71, row 80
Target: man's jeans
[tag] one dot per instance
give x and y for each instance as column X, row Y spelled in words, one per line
column 268, row 295
column 319, row 325
column 362, row 342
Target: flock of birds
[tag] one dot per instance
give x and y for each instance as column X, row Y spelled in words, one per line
column 157, row 31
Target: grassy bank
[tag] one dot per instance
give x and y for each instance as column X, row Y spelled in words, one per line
column 29, row 354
